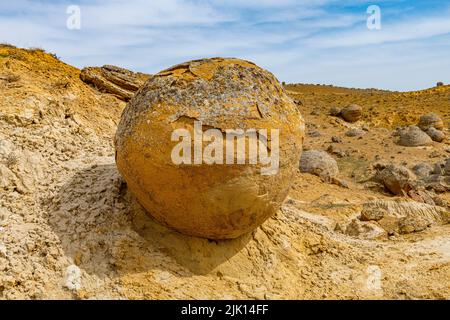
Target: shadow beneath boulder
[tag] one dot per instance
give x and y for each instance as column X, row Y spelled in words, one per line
column 105, row 231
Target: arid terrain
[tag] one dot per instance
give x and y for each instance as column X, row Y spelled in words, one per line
column 70, row 229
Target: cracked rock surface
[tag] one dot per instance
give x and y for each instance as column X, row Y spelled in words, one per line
column 117, row 81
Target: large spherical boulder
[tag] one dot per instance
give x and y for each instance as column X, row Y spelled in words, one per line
column 208, row 198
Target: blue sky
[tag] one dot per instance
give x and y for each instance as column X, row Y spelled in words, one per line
column 310, row 41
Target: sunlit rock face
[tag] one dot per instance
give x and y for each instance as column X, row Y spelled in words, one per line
column 173, row 135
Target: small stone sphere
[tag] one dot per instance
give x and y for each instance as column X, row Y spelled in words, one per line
column 207, row 198
column 431, row 120
column 435, row 134
column 412, row 136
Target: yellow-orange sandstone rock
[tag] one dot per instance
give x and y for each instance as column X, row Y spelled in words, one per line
column 216, row 201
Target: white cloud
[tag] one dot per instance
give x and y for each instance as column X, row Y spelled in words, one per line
column 403, row 31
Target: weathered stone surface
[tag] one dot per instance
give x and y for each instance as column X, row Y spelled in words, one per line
column 120, row 82
column 423, row 170
column 439, row 167
column 413, row 223
column 405, row 216
column 401, row 209
column 355, row 133
column 439, row 201
column 397, row 179
column 436, row 135
column 437, row 182
column 351, row 113
column 422, row 196
column 337, row 151
column 375, row 214
column 364, row 230
column 212, row 201
column 431, row 120
column 336, row 139
column 314, row 134
column 412, row 136
column 335, row 111
column 319, row 163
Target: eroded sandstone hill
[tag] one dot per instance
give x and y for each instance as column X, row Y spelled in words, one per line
column 69, row 227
